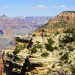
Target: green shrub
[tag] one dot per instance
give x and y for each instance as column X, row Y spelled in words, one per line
column 73, row 69
column 37, row 42
column 61, row 45
column 71, row 48
column 33, row 50
column 56, row 47
column 65, row 57
column 45, row 54
column 21, row 47
column 50, row 41
column 60, row 53
column 67, row 39
column 53, row 66
column 49, row 45
column 9, row 55
column 39, row 46
column 16, row 58
column 73, row 33
column 60, row 63
column 45, row 35
column 66, row 60
column 57, row 33
column 24, row 46
column 34, row 35
column 16, row 51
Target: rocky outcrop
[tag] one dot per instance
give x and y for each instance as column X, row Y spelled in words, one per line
column 68, row 16
column 62, row 22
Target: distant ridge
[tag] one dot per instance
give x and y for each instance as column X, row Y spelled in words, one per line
column 12, row 26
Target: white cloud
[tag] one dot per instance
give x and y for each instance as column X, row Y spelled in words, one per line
column 62, row 7
column 40, row 7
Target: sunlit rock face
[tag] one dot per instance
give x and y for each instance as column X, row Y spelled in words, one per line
column 61, row 22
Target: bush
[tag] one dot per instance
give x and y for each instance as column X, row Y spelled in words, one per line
column 56, row 47
column 53, row 66
column 16, row 58
column 24, row 46
column 33, row 50
column 45, row 54
column 73, row 33
column 34, row 35
column 67, row 39
column 65, row 57
column 39, row 46
column 61, row 45
column 21, row 47
column 50, row 41
column 49, row 45
column 73, row 69
column 71, row 48
column 9, row 55
column 16, row 51
column 57, row 33
column 37, row 42
column 60, row 53
column 45, row 35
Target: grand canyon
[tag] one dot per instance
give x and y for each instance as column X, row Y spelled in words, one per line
column 48, row 50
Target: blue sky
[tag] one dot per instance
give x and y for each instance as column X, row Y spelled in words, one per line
column 35, row 7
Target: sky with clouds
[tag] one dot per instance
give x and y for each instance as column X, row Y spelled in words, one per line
column 35, row 7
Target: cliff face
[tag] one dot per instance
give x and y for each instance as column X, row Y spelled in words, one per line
column 62, row 22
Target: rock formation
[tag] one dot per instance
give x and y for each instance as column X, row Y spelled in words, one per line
column 61, row 22
column 52, row 53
